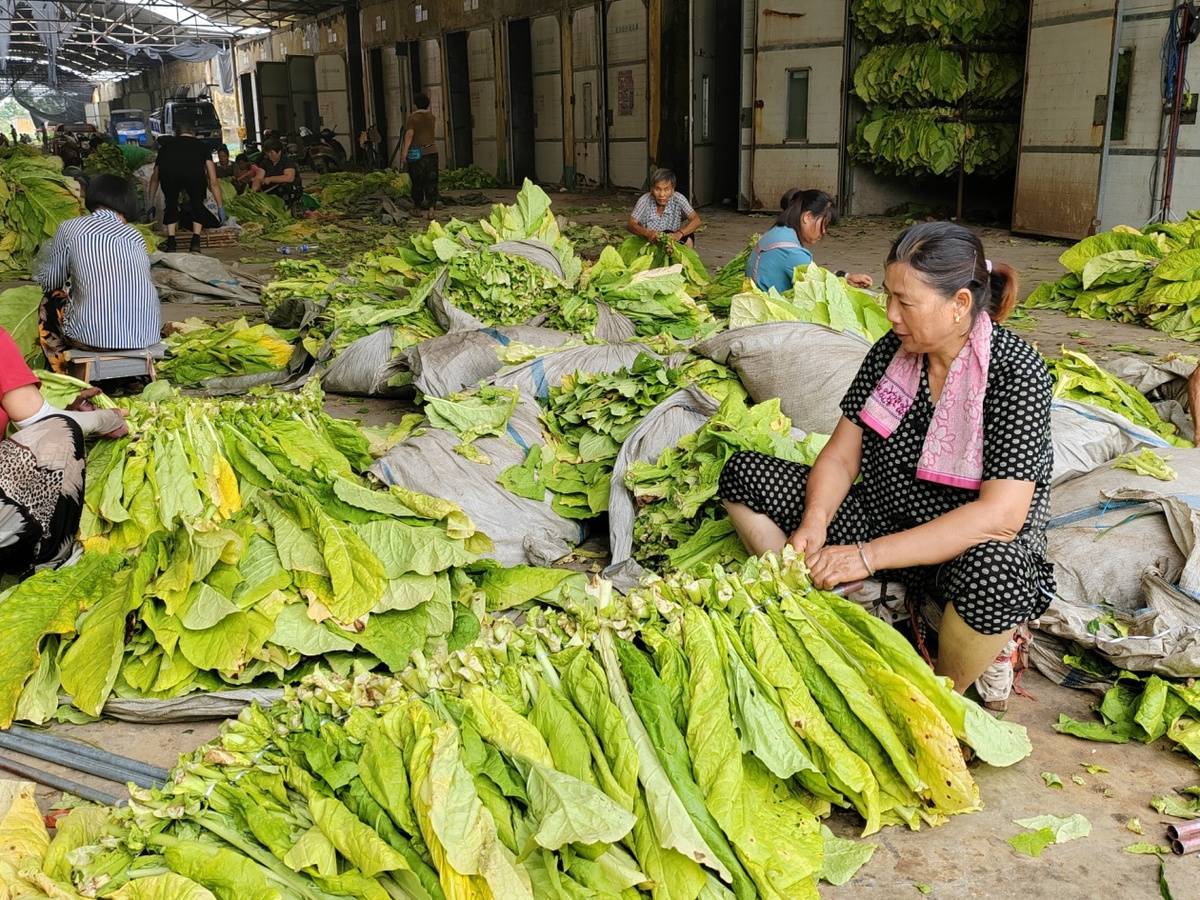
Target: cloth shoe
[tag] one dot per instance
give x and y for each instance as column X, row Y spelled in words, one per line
column 170, row 245
column 194, row 246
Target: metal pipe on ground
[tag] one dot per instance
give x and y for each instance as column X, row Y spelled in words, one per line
column 50, row 780
column 1184, row 831
column 1182, row 846
column 79, row 748
column 69, row 760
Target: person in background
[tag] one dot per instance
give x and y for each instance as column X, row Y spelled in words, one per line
column 419, row 157
column 804, row 218
column 664, row 211
column 278, row 174
column 41, row 466
column 244, row 173
column 938, row 472
column 102, row 260
column 224, row 166
column 184, row 167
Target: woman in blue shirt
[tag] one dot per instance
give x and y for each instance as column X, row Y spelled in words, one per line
column 804, row 219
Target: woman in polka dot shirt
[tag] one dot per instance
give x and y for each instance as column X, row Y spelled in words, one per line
column 954, row 462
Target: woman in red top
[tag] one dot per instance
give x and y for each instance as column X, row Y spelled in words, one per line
column 41, row 467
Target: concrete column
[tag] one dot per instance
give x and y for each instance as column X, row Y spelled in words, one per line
column 500, row 66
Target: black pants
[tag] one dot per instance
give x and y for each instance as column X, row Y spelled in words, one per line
column 195, row 189
column 424, row 175
column 290, row 192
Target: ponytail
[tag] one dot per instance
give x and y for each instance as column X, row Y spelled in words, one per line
column 1003, row 284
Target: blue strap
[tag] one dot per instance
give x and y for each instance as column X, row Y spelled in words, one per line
column 1092, row 512
column 1144, row 435
column 540, row 386
column 502, row 339
column 516, row 436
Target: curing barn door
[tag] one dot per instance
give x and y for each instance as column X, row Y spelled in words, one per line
column 702, row 127
column 547, row 100
column 1063, row 116
column 481, row 64
column 302, row 80
column 797, row 111
column 431, row 83
column 333, row 102
column 274, row 98
column 588, row 105
column 628, row 106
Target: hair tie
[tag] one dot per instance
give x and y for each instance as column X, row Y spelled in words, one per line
column 988, row 264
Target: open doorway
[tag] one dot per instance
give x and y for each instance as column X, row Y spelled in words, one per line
column 459, row 74
column 249, row 120
column 520, row 87
column 701, row 85
column 378, row 95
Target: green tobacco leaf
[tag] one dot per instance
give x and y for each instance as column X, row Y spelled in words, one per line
column 1032, row 843
column 1145, row 848
column 568, row 811
column 1052, row 780
column 1089, row 731
column 1064, row 829
column 165, row 886
column 46, row 603
column 843, row 858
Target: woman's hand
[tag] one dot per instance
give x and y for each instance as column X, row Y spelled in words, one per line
column 836, row 565
column 673, row 235
column 120, row 428
column 808, row 539
column 860, row 280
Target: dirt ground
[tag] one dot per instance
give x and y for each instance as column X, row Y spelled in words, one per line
column 969, row 856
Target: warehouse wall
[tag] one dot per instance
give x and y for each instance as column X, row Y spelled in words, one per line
column 628, row 91
column 1129, row 167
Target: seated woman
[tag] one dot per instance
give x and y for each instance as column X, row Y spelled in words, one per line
column 278, row 173
column 948, row 423
column 100, row 260
column 41, row 467
column 804, row 218
column 663, row 210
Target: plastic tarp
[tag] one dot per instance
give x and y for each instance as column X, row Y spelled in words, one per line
column 189, row 51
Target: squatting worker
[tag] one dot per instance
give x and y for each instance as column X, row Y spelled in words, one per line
column 418, row 155
column 278, row 173
column 98, row 273
column 803, row 219
column 948, row 424
column 664, row 211
column 185, row 168
column 41, row 466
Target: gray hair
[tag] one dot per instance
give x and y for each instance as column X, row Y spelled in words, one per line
column 660, row 175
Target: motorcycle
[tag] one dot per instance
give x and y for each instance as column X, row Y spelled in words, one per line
column 322, row 152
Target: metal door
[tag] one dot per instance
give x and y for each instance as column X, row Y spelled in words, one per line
column 797, row 99
column 628, row 112
column 432, row 81
column 274, row 98
column 589, row 95
column 333, row 98
column 703, row 78
column 481, row 64
column 302, row 81
column 547, row 99
column 1063, row 116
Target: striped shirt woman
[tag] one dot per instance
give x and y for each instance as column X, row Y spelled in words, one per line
column 113, row 302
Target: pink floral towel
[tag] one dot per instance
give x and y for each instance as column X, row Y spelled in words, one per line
column 953, row 450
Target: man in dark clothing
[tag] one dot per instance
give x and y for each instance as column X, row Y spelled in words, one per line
column 419, row 155
column 278, row 174
column 184, row 166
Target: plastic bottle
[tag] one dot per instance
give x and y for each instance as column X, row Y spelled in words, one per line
column 299, row 248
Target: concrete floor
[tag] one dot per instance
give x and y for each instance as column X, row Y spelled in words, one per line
column 969, row 856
